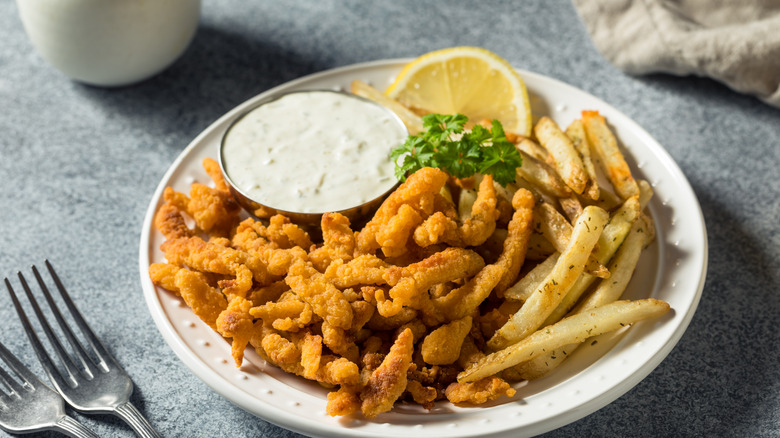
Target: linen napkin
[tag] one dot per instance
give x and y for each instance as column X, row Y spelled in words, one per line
column 733, row 41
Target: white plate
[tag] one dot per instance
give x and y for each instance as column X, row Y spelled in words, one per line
column 672, row 269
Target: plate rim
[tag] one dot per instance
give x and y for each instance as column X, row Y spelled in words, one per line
column 282, row 418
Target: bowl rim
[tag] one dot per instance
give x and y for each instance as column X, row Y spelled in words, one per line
column 251, row 204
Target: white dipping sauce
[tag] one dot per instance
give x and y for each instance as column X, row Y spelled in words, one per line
column 313, row 152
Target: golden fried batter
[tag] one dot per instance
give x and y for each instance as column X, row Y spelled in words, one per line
column 388, row 382
column 473, row 230
column 338, row 241
column 236, row 322
column 170, row 222
column 288, row 313
column 205, row 301
column 410, row 283
column 417, row 192
column 423, row 395
column 442, row 346
column 481, row 391
column 215, row 173
column 364, row 269
column 516, row 242
column 345, row 401
column 327, row 302
column 195, row 253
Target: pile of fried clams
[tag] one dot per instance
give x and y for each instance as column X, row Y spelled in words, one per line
column 393, row 311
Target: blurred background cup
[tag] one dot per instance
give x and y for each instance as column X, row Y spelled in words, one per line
column 110, row 42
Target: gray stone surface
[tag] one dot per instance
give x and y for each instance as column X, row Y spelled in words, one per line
column 79, row 164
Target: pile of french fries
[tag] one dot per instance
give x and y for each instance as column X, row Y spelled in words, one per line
column 590, row 229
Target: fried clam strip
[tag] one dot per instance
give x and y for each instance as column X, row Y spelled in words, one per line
column 389, row 380
column 287, row 313
column 338, row 241
column 340, row 341
column 606, row 148
column 474, row 228
column 171, row 223
column 442, row 345
column 516, row 243
column 280, row 233
column 410, row 283
column 549, row 294
column 573, row 329
column 565, row 158
column 557, row 229
column 363, row 269
column 206, row 302
column 478, row 392
column 277, row 260
column 301, row 354
column 622, row 267
column 237, row 323
column 283, row 232
column 405, row 208
column 215, row 173
column 219, row 259
column 213, row 211
column 326, row 300
column 464, row 300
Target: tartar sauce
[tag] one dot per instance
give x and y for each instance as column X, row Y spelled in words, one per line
column 313, row 152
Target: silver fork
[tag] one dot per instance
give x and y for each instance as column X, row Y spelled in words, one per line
column 100, row 386
column 30, row 405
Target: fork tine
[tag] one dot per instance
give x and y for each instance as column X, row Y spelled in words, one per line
column 48, row 365
column 17, row 367
column 93, row 340
column 81, row 354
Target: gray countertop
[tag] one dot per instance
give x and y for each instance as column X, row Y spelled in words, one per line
column 79, row 166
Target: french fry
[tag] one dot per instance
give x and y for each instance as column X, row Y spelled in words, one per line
column 572, row 207
column 412, row 121
column 576, row 132
column 539, row 248
column 542, row 176
column 558, row 230
column 610, row 240
column 608, row 200
column 622, row 268
column 565, row 157
column 605, row 146
column 540, row 366
column 525, row 286
column 574, row 329
column 533, row 149
column 645, row 192
column 551, row 291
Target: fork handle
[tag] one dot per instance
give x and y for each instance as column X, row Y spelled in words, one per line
column 136, row 420
column 70, row 427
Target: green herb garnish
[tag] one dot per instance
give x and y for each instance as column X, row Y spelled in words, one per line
column 447, row 145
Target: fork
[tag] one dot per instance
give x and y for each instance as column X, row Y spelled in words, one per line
column 32, row 406
column 102, row 386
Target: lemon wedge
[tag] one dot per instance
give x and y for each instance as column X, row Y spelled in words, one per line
column 468, row 80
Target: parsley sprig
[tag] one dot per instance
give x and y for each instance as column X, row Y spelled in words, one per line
column 446, row 144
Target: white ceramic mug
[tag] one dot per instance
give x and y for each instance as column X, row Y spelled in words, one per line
column 110, row 42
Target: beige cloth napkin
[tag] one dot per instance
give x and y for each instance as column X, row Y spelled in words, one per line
column 736, row 42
